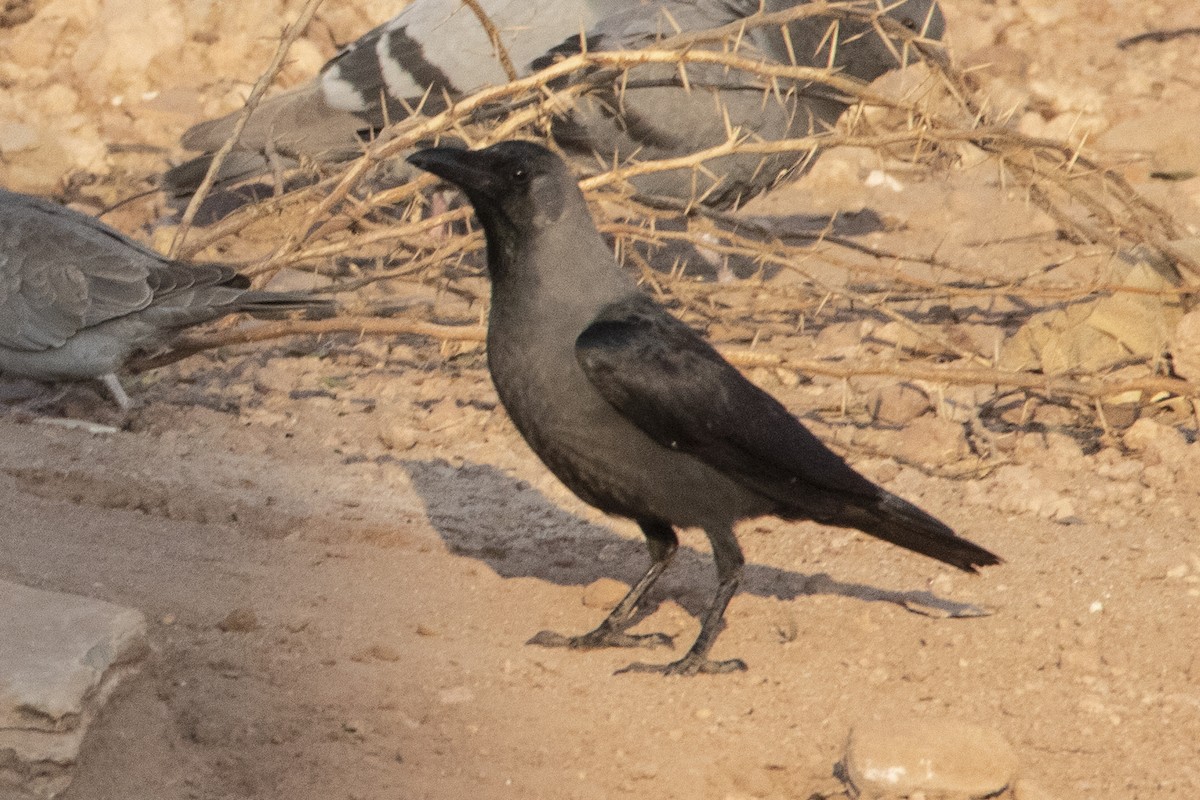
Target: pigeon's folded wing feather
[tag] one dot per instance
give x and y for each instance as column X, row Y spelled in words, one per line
column 63, row 272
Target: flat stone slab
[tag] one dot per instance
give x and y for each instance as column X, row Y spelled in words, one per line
column 61, row 656
column 944, row 758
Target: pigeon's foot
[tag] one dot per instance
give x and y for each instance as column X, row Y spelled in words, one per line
column 601, row 637
column 691, row 664
column 117, row 391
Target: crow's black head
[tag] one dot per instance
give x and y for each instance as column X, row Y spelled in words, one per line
column 515, row 184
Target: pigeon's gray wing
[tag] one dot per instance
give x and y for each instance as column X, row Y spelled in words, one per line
column 61, row 272
column 440, row 47
column 649, row 114
column 665, row 379
column 432, row 49
column 435, row 49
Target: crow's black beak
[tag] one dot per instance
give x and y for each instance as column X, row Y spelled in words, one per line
column 466, row 169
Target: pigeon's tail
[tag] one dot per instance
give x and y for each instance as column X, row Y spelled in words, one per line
column 285, row 130
column 897, row 521
column 183, row 180
column 276, row 305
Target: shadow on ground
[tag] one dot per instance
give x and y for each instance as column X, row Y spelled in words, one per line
column 525, row 535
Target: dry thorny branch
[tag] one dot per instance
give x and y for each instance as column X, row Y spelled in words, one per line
column 368, row 238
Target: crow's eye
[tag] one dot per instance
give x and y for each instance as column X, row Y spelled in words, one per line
column 518, row 175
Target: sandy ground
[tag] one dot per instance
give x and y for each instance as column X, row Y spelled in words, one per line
column 342, row 545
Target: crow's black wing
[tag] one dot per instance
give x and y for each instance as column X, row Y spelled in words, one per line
column 676, row 388
column 670, row 383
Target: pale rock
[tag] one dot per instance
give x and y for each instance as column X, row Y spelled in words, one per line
column 162, row 237
column 1063, row 450
column 1058, row 341
column 122, row 40
column 1164, row 133
column 16, row 137
column 840, row 339
column 1061, row 510
column 39, row 42
column 910, row 338
column 456, row 695
column 1146, row 435
column 1054, row 415
column 61, row 657
column 37, row 170
column 1142, row 323
column 926, row 440
column 57, row 101
column 304, row 59
column 84, row 148
column 1093, row 336
column 400, row 437
column 1185, row 343
column 899, row 404
column 1045, row 15
column 943, row 758
column 883, row 471
column 604, row 594
column 982, row 339
column 1078, row 98
column 1025, row 789
column 835, row 181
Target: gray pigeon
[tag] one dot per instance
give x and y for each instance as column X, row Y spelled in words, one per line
column 634, row 411
column 78, row 298
column 435, row 49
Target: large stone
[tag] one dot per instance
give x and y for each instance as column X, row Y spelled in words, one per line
column 61, row 656
column 1164, row 134
column 899, row 403
column 1096, row 334
column 943, row 758
column 1185, row 347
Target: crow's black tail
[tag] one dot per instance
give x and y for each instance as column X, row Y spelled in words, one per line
column 900, row 522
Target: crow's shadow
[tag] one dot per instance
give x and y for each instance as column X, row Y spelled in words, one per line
column 528, row 536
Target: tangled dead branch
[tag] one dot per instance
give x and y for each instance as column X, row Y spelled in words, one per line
column 360, row 217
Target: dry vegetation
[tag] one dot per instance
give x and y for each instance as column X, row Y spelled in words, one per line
column 996, row 337
column 343, row 226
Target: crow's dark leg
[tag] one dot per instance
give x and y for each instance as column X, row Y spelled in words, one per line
column 729, row 558
column 662, row 542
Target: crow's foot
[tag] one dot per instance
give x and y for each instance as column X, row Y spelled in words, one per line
column 689, row 665
column 601, row 637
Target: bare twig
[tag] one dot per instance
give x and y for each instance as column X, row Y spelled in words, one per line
column 947, row 116
column 287, row 38
column 951, row 375
column 494, row 34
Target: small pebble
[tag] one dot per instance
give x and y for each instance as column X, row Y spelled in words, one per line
column 240, row 620
column 604, row 593
column 899, row 404
column 456, row 696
